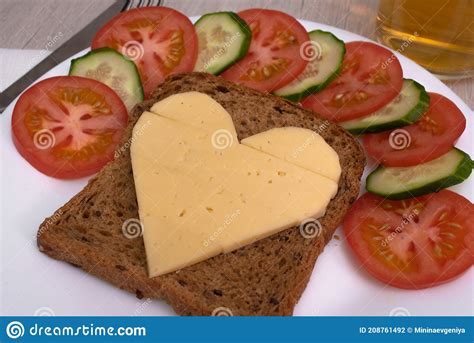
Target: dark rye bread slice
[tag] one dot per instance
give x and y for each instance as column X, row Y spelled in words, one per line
column 264, row 278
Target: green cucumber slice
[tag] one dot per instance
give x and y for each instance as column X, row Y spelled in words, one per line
column 406, row 182
column 112, row 68
column 325, row 61
column 224, row 38
column 412, row 102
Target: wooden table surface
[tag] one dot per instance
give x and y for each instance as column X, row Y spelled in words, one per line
column 28, row 24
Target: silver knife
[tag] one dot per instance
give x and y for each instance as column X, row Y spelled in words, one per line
column 78, row 42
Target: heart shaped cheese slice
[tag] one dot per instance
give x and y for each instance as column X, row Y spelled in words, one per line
column 200, row 195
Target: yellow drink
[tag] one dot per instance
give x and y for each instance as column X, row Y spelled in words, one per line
column 438, row 34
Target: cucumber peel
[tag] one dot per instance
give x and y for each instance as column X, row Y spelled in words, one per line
column 406, row 182
column 113, row 69
column 409, row 106
column 224, row 38
column 322, row 68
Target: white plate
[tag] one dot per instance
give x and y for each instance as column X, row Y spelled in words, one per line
column 32, row 282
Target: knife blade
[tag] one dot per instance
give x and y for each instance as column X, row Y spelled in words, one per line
column 76, row 43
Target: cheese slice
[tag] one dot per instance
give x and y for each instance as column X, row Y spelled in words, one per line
column 197, row 200
column 299, row 146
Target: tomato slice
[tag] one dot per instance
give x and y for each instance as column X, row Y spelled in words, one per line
column 429, row 138
column 414, row 243
column 273, row 59
column 370, row 78
column 68, row 126
column 160, row 40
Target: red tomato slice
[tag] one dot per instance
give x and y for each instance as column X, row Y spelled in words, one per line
column 370, row 78
column 68, row 126
column 160, row 40
column 273, row 59
column 414, row 243
column 430, row 137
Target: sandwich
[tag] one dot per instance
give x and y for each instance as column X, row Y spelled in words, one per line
column 264, row 276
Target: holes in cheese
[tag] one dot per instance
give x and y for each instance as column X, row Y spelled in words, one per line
column 302, row 147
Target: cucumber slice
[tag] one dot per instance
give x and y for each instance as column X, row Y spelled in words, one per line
column 406, row 182
column 224, row 38
column 112, row 68
column 405, row 109
column 325, row 61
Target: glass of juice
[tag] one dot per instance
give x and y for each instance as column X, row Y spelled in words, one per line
column 437, row 34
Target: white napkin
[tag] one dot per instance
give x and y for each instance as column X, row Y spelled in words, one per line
column 16, row 62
